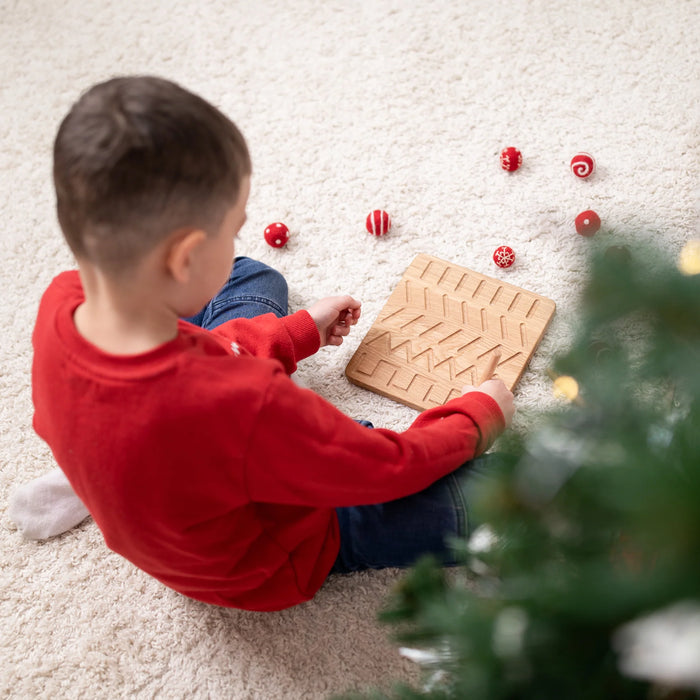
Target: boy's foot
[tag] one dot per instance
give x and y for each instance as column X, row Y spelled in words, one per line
column 46, row 507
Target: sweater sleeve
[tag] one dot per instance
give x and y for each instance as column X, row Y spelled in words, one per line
column 303, row 451
column 289, row 339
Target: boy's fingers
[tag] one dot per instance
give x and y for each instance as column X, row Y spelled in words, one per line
column 350, row 304
column 348, row 317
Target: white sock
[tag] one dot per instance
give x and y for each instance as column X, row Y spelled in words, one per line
column 46, row 506
column 298, row 381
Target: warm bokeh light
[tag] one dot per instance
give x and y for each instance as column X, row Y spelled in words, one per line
column 689, row 259
column 566, row 388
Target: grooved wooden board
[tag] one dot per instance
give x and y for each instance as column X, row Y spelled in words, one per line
column 438, row 330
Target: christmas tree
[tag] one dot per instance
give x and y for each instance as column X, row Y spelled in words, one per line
column 583, row 580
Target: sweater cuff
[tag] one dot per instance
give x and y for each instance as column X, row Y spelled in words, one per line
column 490, row 420
column 304, row 334
column 480, row 408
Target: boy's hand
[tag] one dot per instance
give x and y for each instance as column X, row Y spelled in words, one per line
column 498, row 391
column 333, row 317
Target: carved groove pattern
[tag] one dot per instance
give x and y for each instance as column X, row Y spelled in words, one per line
column 438, row 329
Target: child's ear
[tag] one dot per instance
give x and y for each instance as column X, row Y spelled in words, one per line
column 180, row 254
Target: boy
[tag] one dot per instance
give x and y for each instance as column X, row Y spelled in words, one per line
column 199, row 458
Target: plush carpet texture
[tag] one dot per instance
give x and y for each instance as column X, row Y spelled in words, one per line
column 347, row 107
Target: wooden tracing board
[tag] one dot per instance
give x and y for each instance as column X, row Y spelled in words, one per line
column 438, row 330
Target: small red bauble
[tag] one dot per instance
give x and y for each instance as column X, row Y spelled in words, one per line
column 504, row 256
column 582, row 165
column 587, row 223
column 511, row 158
column 277, row 235
column 378, row 222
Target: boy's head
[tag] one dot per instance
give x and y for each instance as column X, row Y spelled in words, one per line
column 138, row 158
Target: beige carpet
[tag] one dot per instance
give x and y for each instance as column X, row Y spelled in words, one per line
column 347, row 106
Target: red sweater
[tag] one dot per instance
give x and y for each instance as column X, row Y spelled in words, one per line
column 206, row 466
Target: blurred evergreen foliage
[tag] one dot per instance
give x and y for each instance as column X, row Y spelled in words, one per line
column 590, row 522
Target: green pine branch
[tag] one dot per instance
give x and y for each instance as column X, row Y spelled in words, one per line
column 594, row 517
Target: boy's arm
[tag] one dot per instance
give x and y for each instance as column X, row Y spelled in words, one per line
column 303, row 451
column 289, row 339
column 294, row 338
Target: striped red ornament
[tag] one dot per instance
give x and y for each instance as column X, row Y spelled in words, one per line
column 378, row 222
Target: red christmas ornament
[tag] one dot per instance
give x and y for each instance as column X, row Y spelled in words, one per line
column 277, row 235
column 504, row 256
column 588, row 223
column 378, row 222
column 511, row 158
column 583, row 165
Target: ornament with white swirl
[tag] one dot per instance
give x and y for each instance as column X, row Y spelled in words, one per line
column 582, row 165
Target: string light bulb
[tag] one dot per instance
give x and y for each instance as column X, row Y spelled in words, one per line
column 689, row 259
column 566, row 387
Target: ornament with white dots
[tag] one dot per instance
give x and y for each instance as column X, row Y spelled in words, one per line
column 277, row 235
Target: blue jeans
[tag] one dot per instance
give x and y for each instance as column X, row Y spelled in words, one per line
column 398, row 533
column 393, row 534
column 253, row 289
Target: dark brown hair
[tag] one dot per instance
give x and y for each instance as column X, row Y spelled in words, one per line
column 137, row 158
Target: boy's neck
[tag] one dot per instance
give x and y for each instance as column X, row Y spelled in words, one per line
column 123, row 318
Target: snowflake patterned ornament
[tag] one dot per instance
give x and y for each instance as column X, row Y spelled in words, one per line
column 504, row 256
